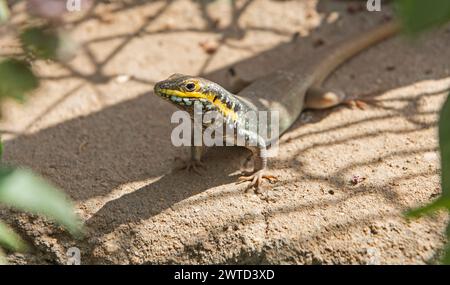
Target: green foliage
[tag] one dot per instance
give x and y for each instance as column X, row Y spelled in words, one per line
column 2, row 258
column 444, row 143
column 16, row 79
column 446, row 258
column 41, row 42
column 4, row 11
column 10, row 240
column 438, row 204
column 25, row 191
column 442, row 202
column 20, row 188
column 419, row 15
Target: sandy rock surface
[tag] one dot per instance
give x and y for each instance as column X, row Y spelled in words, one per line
column 96, row 130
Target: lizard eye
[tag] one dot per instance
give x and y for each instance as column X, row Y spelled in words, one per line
column 190, row 86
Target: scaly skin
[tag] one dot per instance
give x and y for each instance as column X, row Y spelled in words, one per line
column 287, row 91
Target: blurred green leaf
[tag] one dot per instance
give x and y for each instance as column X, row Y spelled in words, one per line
column 446, row 258
column 419, row 15
column 10, row 240
column 2, row 258
column 444, row 144
column 23, row 190
column 41, row 42
column 16, row 79
column 4, row 11
column 67, row 47
column 440, row 203
column 48, row 43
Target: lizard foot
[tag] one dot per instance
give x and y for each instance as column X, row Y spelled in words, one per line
column 256, row 179
column 356, row 103
column 191, row 166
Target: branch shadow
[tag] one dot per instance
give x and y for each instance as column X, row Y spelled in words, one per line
column 91, row 156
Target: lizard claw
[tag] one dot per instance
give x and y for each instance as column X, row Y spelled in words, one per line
column 191, row 166
column 256, row 179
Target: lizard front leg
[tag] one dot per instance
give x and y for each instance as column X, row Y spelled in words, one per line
column 260, row 169
column 194, row 163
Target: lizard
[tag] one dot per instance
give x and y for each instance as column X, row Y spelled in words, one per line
column 289, row 91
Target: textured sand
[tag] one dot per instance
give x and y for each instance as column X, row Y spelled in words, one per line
column 96, row 130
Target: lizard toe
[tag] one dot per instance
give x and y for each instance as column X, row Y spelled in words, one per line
column 256, row 180
column 195, row 166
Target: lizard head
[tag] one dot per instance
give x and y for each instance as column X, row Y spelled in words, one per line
column 184, row 91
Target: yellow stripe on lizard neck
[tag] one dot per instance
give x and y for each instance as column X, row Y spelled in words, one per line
column 222, row 107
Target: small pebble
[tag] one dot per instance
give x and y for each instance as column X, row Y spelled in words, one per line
column 430, row 156
column 333, row 17
column 318, row 43
column 122, row 78
column 209, row 46
column 390, row 68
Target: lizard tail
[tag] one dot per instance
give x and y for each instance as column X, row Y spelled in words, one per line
column 349, row 48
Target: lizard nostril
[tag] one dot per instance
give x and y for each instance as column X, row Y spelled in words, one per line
column 157, row 88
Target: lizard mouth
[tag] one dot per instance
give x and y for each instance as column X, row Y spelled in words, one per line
column 171, row 96
column 185, row 101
